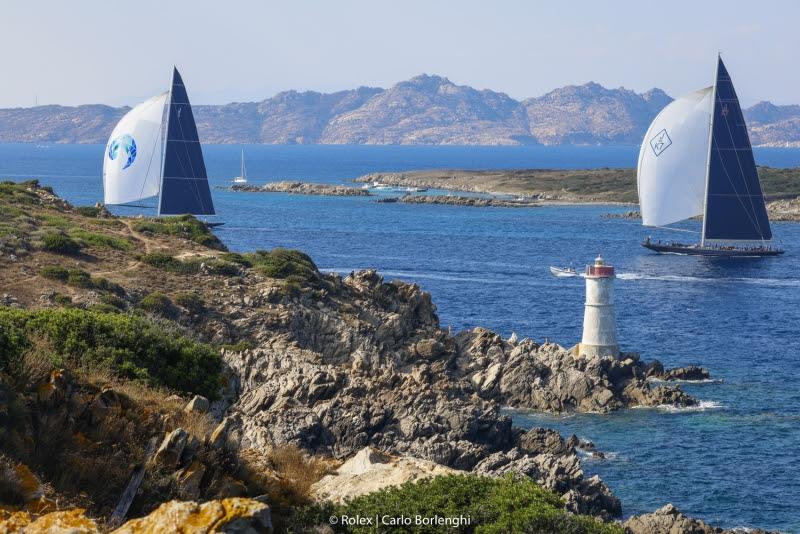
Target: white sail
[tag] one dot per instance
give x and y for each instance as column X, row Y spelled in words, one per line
column 673, row 160
column 132, row 162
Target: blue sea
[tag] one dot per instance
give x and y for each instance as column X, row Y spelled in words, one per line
column 733, row 462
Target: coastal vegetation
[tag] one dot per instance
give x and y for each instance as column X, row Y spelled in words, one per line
column 130, row 346
column 556, row 185
column 185, row 226
column 492, row 506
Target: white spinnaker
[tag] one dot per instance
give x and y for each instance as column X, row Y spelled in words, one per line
column 127, row 179
column 673, row 160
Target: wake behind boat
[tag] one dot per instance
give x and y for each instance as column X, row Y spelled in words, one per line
column 696, row 159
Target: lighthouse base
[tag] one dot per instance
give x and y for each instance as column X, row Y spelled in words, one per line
column 584, row 349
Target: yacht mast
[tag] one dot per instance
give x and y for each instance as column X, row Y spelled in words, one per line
column 165, row 122
column 710, row 144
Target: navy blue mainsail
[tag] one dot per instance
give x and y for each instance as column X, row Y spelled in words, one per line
column 184, row 188
column 735, row 207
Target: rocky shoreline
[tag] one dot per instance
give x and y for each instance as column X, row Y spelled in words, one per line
column 302, row 188
column 327, row 364
column 458, row 200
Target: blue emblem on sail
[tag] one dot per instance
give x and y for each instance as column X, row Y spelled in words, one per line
column 128, row 146
column 660, row 142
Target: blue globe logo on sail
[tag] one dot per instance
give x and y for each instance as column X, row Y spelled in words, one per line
column 126, row 145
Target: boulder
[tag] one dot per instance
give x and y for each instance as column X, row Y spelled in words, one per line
column 371, row 470
column 72, row 521
column 226, row 515
column 668, row 520
column 198, row 404
column 169, row 452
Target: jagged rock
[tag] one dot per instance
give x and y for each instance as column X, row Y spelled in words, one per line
column 371, row 470
column 669, row 520
column 72, row 521
column 169, row 452
column 198, row 404
column 543, row 440
column 189, row 479
column 691, row 372
column 226, row 515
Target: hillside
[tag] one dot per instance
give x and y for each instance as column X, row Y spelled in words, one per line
column 428, row 110
column 225, row 386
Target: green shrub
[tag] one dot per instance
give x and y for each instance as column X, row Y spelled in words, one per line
column 286, row 264
column 186, row 226
column 113, row 300
column 54, row 272
column 492, row 505
column 60, row 244
column 79, row 278
column 220, row 267
column 171, row 263
column 235, row 257
column 62, row 299
column 88, row 211
column 193, row 302
column 104, row 284
column 102, row 240
column 133, row 346
column 158, row 304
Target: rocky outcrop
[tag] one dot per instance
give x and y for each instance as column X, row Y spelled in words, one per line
column 547, row 377
column 669, row 520
column 303, row 188
column 226, row 515
column 369, row 366
column 784, row 210
column 455, row 200
column 371, row 470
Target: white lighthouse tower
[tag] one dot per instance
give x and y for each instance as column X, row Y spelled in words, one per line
column 599, row 326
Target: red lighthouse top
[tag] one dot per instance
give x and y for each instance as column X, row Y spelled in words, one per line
column 600, row 269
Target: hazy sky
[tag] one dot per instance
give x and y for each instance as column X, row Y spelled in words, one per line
column 91, row 51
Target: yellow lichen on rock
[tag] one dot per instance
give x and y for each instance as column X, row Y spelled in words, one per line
column 66, row 521
column 194, row 518
column 11, row 521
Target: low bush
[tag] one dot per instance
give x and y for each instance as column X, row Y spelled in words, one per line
column 291, row 265
column 235, row 257
column 491, row 505
column 192, row 302
column 170, row 263
column 186, row 226
column 131, row 346
column 88, row 211
column 79, row 278
column 54, row 272
column 102, row 240
column 158, row 304
column 62, row 299
column 60, row 244
column 113, row 300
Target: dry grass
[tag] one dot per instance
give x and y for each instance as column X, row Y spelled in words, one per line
column 33, row 367
column 285, row 473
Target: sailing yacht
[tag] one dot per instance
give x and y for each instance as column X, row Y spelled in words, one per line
column 154, row 151
column 242, row 178
column 696, row 159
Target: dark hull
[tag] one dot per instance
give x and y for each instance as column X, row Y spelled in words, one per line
column 697, row 250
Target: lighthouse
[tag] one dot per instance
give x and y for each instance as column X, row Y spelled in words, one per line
column 599, row 327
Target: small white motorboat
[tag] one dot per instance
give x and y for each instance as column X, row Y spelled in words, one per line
column 563, row 272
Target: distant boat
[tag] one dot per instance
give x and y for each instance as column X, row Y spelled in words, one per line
column 696, row 159
column 242, row 178
column 563, row 272
column 154, row 151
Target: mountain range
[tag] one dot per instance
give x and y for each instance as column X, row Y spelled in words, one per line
column 426, row 109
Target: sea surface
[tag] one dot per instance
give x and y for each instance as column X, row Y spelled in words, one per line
column 733, row 461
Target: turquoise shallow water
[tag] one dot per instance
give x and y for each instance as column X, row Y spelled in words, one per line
column 734, row 462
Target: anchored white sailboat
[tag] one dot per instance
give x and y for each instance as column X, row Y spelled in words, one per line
column 242, row 178
column 696, row 159
column 154, row 151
